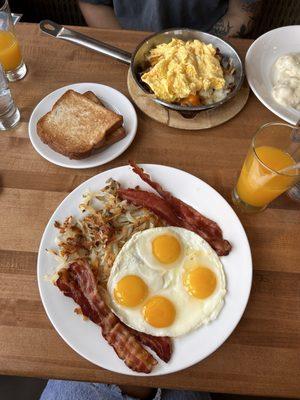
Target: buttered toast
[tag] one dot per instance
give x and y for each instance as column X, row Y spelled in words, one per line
column 77, row 124
column 112, row 137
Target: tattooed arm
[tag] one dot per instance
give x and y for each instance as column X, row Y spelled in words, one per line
column 238, row 21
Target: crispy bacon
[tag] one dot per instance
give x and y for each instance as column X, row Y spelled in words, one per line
column 189, row 217
column 161, row 208
column 70, row 289
column 182, row 210
column 161, row 345
column 152, row 202
column 78, row 282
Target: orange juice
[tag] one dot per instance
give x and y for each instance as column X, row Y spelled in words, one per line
column 258, row 185
column 10, row 54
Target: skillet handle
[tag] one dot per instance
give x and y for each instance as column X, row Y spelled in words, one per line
column 60, row 32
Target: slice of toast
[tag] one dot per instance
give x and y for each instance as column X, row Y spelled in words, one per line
column 91, row 95
column 112, row 137
column 76, row 125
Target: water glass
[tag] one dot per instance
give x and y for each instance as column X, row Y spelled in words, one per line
column 9, row 113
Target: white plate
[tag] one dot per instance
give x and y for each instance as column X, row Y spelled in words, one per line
column 113, row 99
column 260, row 58
column 84, row 337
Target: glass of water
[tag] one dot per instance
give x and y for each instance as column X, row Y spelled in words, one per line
column 9, row 113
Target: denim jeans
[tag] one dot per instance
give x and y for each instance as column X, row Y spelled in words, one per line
column 72, row 390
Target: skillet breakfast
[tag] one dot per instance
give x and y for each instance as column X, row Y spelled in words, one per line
column 143, row 266
column 188, row 73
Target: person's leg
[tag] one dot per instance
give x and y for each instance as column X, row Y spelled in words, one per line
column 184, row 395
column 72, row 390
column 138, row 392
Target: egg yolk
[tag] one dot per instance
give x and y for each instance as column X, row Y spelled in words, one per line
column 166, row 248
column 159, row 312
column 130, row 291
column 200, row 282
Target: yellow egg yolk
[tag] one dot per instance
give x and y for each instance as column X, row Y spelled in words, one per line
column 130, row 291
column 200, row 282
column 159, row 312
column 166, row 248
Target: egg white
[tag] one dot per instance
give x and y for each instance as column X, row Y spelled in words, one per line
column 135, row 259
column 144, row 248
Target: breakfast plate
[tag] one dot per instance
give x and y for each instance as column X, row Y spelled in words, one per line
column 84, row 337
column 259, row 61
column 112, row 99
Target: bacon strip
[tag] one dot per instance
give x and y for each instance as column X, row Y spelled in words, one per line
column 161, row 345
column 182, row 210
column 190, row 218
column 70, row 289
column 78, row 282
column 161, row 208
column 152, row 202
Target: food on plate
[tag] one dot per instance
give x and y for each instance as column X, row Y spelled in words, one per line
column 107, row 223
column 176, row 212
column 78, row 282
column 188, row 73
column 286, row 80
column 114, row 136
column 78, row 124
column 93, row 242
column 134, row 266
column 166, row 281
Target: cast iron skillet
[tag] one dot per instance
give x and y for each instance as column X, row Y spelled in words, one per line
column 137, row 60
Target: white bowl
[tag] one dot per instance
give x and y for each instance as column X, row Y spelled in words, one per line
column 260, row 58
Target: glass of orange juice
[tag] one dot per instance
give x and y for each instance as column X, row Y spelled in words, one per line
column 10, row 53
column 275, row 147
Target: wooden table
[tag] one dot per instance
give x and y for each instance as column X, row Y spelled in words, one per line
column 261, row 357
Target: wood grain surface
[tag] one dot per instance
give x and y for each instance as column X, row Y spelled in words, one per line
column 261, row 357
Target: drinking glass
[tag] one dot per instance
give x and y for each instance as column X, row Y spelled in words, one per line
column 9, row 113
column 10, row 53
column 262, row 179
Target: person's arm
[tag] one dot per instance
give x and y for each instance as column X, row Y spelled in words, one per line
column 239, row 19
column 99, row 15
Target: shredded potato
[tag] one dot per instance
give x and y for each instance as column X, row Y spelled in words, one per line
column 107, row 223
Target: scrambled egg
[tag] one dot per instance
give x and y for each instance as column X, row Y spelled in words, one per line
column 180, row 69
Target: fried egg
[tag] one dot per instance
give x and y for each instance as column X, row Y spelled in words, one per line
column 166, row 282
column 160, row 249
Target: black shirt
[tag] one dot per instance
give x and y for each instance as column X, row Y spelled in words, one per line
column 155, row 15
